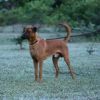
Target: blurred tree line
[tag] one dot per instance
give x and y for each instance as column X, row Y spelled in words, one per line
column 50, row 11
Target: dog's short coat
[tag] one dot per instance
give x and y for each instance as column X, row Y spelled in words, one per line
column 40, row 49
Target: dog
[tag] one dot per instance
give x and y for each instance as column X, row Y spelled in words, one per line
column 40, row 49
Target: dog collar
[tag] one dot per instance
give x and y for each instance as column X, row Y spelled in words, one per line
column 34, row 42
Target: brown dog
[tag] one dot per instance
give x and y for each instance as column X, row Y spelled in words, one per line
column 40, row 49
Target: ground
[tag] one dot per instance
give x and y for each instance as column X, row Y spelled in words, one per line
column 17, row 74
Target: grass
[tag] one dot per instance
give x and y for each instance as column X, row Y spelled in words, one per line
column 17, row 74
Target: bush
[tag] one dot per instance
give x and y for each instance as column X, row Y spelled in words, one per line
column 42, row 11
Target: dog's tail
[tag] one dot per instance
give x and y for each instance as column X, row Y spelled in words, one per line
column 68, row 30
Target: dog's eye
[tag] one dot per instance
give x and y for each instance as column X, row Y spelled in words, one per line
column 29, row 30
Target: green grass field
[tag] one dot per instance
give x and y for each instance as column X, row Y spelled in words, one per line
column 17, row 74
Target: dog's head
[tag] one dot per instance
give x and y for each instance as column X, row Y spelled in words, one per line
column 29, row 31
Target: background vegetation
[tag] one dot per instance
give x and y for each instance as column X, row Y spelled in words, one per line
column 50, row 12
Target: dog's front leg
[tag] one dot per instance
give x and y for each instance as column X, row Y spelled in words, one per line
column 40, row 70
column 36, row 69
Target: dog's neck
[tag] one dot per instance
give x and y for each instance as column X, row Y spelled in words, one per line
column 33, row 38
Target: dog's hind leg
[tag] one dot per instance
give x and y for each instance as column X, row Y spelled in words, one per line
column 66, row 58
column 55, row 62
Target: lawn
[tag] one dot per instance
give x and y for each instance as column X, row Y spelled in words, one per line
column 17, row 74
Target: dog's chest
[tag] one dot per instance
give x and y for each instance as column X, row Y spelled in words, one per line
column 37, row 51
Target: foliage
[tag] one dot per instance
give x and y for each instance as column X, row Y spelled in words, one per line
column 51, row 12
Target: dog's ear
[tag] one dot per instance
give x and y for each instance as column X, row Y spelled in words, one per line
column 34, row 29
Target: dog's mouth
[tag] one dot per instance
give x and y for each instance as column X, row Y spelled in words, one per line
column 25, row 35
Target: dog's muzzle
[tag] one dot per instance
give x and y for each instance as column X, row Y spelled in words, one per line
column 24, row 36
